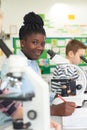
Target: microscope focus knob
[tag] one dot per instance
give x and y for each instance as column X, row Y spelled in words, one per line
column 32, row 114
column 79, row 86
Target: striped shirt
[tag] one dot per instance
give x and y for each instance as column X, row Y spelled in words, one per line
column 63, row 72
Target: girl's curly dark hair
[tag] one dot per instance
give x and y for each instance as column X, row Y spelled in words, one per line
column 33, row 23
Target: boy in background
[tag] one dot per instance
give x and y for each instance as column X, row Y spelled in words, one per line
column 74, row 49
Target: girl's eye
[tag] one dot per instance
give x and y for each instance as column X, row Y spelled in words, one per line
column 35, row 42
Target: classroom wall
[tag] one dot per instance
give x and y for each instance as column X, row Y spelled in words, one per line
column 56, row 11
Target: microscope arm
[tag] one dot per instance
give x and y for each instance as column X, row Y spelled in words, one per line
column 4, row 48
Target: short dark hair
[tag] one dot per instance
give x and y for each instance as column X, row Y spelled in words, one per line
column 33, row 23
column 74, row 45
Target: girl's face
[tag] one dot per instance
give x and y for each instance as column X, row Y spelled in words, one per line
column 33, row 46
column 75, row 58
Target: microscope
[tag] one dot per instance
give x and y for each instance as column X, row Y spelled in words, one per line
column 36, row 105
column 76, row 86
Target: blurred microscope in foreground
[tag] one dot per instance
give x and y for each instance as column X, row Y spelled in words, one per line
column 36, row 111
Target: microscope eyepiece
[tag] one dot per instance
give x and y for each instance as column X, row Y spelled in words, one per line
column 51, row 53
column 83, row 58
